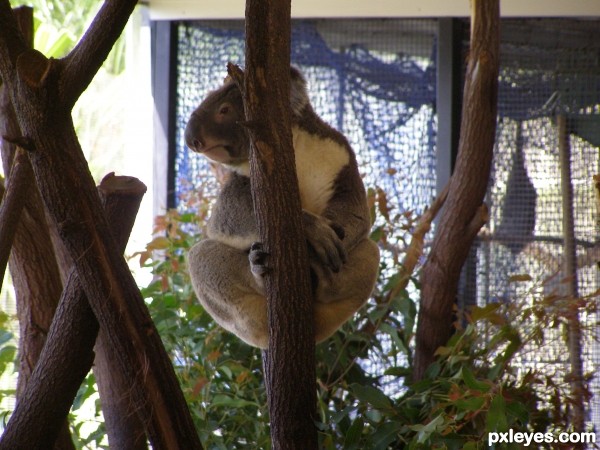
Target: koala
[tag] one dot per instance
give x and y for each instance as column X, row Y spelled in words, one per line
column 227, row 268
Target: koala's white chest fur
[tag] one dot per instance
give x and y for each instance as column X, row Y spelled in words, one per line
column 318, row 162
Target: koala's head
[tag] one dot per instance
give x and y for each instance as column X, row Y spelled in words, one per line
column 214, row 127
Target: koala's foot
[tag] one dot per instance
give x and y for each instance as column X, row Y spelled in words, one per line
column 258, row 260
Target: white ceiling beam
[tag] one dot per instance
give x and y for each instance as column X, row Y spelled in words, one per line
column 234, row 9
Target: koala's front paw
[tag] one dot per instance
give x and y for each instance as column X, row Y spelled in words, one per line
column 258, row 260
column 325, row 241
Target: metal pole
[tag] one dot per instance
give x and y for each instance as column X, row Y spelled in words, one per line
column 570, row 270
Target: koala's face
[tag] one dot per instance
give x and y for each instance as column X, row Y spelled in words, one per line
column 214, row 127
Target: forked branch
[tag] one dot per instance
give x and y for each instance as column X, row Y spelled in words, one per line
column 464, row 212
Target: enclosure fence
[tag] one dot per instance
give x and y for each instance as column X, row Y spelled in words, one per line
column 375, row 80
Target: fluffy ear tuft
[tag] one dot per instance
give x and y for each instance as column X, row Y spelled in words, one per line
column 298, row 95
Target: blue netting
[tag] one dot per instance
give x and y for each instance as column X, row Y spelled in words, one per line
column 381, row 100
column 374, row 80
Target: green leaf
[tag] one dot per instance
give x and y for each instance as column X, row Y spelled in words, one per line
column 372, row 396
column 353, row 435
column 433, row 370
column 424, row 432
column 471, row 382
column 5, row 336
column 408, row 309
column 377, row 234
column 230, row 402
column 519, row 411
column 496, row 416
column 470, row 404
column 385, row 435
column 393, row 333
column 339, row 415
column 488, row 312
column 7, row 354
column 398, row 371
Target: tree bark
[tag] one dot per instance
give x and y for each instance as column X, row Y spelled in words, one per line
column 32, row 263
column 289, row 362
column 43, row 93
column 67, row 356
column 464, row 212
column 123, row 425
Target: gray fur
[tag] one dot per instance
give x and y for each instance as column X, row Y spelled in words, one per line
column 227, row 273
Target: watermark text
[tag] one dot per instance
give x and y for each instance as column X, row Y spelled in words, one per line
column 527, row 439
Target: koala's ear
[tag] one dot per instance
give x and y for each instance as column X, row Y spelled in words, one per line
column 298, row 95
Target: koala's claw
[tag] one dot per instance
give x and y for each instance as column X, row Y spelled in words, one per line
column 339, row 230
column 258, row 259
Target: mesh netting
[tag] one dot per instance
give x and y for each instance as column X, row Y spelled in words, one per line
column 376, row 84
column 375, row 81
column 375, row 88
column 548, row 68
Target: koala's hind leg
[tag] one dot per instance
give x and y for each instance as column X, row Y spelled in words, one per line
column 227, row 289
column 340, row 295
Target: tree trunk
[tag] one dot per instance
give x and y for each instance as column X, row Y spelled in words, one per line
column 33, row 266
column 289, row 362
column 67, row 356
column 43, row 93
column 464, row 212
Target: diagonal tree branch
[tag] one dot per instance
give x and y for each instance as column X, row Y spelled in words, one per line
column 67, row 355
column 83, row 62
column 12, row 205
column 42, row 92
column 33, row 267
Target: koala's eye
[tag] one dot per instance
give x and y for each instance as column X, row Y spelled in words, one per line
column 224, row 109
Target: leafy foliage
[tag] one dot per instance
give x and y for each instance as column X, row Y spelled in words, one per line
column 221, row 376
column 367, row 399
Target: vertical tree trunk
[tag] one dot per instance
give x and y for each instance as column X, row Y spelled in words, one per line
column 464, row 212
column 33, row 266
column 289, row 362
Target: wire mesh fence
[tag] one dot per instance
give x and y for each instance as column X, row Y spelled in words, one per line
column 375, row 80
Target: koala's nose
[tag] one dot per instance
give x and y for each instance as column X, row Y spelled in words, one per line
column 197, row 144
column 193, row 138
